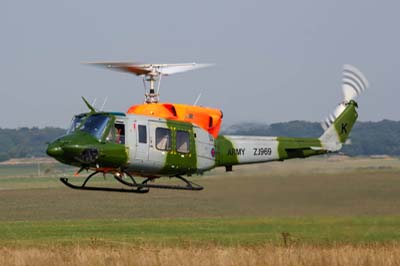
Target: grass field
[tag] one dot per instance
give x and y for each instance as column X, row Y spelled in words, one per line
column 339, row 211
column 326, row 231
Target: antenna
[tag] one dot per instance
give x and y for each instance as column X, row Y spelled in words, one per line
column 104, row 103
column 94, row 102
column 197, row 99
column 91, row 108
column 151, row 74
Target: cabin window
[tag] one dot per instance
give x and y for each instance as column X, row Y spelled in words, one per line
column 182, row 141
column 163, row 139
column 119, row 133
column 142, row 134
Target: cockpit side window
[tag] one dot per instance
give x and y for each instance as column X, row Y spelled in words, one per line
column 119, row 133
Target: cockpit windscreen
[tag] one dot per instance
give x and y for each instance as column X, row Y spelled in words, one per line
column 76, row 122
column 93, row 124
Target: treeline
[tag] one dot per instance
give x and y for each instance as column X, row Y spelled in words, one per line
column 26, row 142
column 367, row 138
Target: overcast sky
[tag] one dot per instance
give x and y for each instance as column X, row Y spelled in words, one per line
column 275, row 60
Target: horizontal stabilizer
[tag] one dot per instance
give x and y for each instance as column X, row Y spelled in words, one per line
column 304, row 149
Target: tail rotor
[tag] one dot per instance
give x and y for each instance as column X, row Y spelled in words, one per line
column 353, row 84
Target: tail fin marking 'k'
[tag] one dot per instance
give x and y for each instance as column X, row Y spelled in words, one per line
column 339, row 124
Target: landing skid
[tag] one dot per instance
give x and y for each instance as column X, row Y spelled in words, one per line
column 134, row 187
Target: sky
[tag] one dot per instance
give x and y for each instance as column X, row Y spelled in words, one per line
column 275, row 61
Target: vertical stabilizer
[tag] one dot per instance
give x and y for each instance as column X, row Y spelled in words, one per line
column 338, row 132
column 339, row 124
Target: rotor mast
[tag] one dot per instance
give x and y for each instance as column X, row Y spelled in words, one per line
column 150, row 95
column 151, row 73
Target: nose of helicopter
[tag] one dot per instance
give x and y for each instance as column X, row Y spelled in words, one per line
column 54, row 149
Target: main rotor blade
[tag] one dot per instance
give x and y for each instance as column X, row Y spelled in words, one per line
column 179, row 68
column 149, row 69
column 133, row 68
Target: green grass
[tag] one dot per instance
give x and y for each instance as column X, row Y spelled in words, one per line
column 225, row 232
column 317, row 201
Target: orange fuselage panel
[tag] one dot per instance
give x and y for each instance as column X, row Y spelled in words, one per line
column 209, row 119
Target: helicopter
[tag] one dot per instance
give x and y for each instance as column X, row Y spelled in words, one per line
column 155, row 139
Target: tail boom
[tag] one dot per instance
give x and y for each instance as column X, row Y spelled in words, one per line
column 234, row 150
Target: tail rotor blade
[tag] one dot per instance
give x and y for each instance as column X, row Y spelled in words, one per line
column 353, row 82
